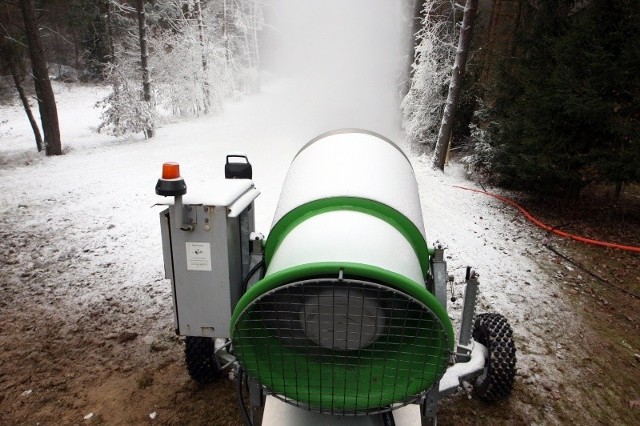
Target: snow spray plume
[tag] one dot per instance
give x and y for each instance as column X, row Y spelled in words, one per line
column 342, row 61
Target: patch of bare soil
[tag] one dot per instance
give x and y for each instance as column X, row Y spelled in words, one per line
column 76, row 351
column 604, row 287
column 111, row 357
column 598, row 352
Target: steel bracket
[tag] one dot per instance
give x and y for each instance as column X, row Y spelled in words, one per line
column 465, row 343
column 429, row 406
column 439, row 272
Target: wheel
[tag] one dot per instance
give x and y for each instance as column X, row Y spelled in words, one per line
column 494, row 332
column 201, row 361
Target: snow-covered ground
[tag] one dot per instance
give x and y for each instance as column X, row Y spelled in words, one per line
column 103, row 188
column 92, row 233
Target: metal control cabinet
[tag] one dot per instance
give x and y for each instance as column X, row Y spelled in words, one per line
column 205, row 243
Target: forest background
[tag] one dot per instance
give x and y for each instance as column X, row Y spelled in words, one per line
column 550, row 102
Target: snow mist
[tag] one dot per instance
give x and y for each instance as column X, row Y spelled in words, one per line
column 342, row 62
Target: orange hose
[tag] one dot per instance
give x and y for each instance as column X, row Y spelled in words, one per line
column 552, row 229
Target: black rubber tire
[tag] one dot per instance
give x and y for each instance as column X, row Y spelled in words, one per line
column 201, row 361
column 494, row 332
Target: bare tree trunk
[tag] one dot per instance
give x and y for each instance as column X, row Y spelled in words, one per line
column 44, row 92
column 416, row 26
column 76, row 51
column 144, row 57
column 618, row 191
column 102, row 29
column 455, row 86
column 203, row 47
column 17, row 79
column 500, row 38
column 247, row 45
column 110, row 31
column 254, row 34
column 225, row 33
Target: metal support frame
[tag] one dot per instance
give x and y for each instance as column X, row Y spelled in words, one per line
column 468, row 316
column 429, row 406
column 470, row 356
column 224, row 358
column 439, row 273
column 464, row 371
column 257, row 400
column 181, row 214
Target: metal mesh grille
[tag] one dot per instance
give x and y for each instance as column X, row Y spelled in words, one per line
column 342, row 347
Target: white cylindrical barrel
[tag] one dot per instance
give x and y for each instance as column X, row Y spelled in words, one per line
column 342, row 322
column 370, row 181
column 351, row 163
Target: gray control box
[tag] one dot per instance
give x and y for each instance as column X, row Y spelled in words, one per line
column 205, row 240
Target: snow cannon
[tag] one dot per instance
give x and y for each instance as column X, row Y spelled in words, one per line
column 342, row 322
column 342, row 310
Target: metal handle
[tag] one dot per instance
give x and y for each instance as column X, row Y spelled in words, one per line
column 238, row 156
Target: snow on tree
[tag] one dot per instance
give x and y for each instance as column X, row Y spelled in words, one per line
column 125, row 110
column 201, row 53
column 432, row 67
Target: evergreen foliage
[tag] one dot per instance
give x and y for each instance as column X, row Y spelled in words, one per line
column 569, row 108
column 124, row 109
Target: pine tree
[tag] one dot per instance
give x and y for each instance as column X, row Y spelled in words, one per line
column 569, row 110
